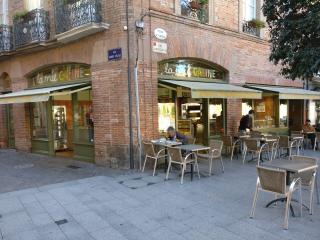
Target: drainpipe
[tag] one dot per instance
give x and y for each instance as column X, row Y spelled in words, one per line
column 129, row 90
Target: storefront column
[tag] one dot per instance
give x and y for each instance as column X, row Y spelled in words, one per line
column 3, row 127
column 234, row 114
column 22, row 127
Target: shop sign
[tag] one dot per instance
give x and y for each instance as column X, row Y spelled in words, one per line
column 189, row 70
column 115, row 54
column 160, row 34
column 159, row 47
column 60, row 73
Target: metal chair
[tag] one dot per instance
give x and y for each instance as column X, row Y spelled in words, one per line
column 286, row 144
column 256, row 134
column 316, row 141
column 215, row 153
column 230, row 144
column 253, row 146
column 273, row 143
column 308, row 178
column 191, row 139
column 274, row 181
column 299, row 138
column 175, row 156
column 151, row 154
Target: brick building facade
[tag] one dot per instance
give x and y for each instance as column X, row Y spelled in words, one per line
column 221, row 40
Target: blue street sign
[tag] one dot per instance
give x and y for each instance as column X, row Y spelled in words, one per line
column 115, row 54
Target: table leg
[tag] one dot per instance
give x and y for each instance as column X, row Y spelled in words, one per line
column 285, row 199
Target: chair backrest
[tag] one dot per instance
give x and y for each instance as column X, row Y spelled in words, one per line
column 255, row 134
column 216, row 145
column 284, row 142
column 227, row 140
column 252, row 144
column 271, row 179
column 149, row 149
column 175, row 154
column 307, row 176
column 296, row 133
column 190, row 139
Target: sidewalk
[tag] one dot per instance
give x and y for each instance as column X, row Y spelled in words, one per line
column 117, row 205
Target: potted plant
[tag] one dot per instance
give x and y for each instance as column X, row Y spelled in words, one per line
column 18, row 16
column 256, row 23
column 194, row 5
column 197, row 4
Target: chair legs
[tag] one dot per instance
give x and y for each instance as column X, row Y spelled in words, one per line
column 210, row 166
column 222, row 166
column 168, row 170
column 255, row 198
column 144, row 164
column 182, row 172
column 155, row 164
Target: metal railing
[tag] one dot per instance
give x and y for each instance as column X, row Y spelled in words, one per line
column 6, row 43
column 70, row 14
column 247, row 28
column 32, row 27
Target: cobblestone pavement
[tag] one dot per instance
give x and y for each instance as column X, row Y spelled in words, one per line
column 90, row 203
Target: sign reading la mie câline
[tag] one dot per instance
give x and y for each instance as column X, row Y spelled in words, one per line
column 115, row 54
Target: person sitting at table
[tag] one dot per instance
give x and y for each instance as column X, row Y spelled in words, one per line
column 309, row 131
column 173, row 135
column 246, row 122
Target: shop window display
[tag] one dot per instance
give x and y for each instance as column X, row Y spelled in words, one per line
column 40, row 121
column 283, row 113
column 265, row 112
column 84, row 131
column 216, row 117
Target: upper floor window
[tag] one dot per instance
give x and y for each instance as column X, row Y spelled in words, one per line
column 250, row 10
column 3, row 11
column 196, row 9
column 32, row 4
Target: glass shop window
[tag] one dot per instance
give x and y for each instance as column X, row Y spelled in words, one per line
column 83, row 115
column 265, row 112
column 39, row 120
column 216, row 117
column 283, row 113
column 247, row 105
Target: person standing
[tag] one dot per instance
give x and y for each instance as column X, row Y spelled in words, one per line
column 246, row 122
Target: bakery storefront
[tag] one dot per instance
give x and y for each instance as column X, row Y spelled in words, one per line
column 59, row 98
column 280, row 110
column 192, row 97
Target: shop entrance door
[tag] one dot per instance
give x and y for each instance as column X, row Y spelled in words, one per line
column 62, row 125
column 296, row 115
column 10, row 127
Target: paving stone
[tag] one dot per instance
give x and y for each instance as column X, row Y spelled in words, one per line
column 91, row 221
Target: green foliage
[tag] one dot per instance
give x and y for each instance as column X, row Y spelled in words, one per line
column 256, row 23
column 203, row 2
column 295, row 36
column 19, row 15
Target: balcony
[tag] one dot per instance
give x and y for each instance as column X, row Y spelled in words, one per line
column 248, row 28
column 5, row 39
column 77, row 19
column 33, row 27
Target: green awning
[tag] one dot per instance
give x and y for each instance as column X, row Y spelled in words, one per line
column 213, row 90
column 41, row 94
column 288, row 92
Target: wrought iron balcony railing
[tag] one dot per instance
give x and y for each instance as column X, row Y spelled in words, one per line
column 70, row 14
column 31, row 28
column 247, row 28
column 5, row 38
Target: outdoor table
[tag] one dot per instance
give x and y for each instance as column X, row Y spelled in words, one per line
column 261, row 141
column 193, row 148
column 165, row 143
column 292, row 167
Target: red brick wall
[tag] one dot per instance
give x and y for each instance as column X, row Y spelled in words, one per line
column 245, row 58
